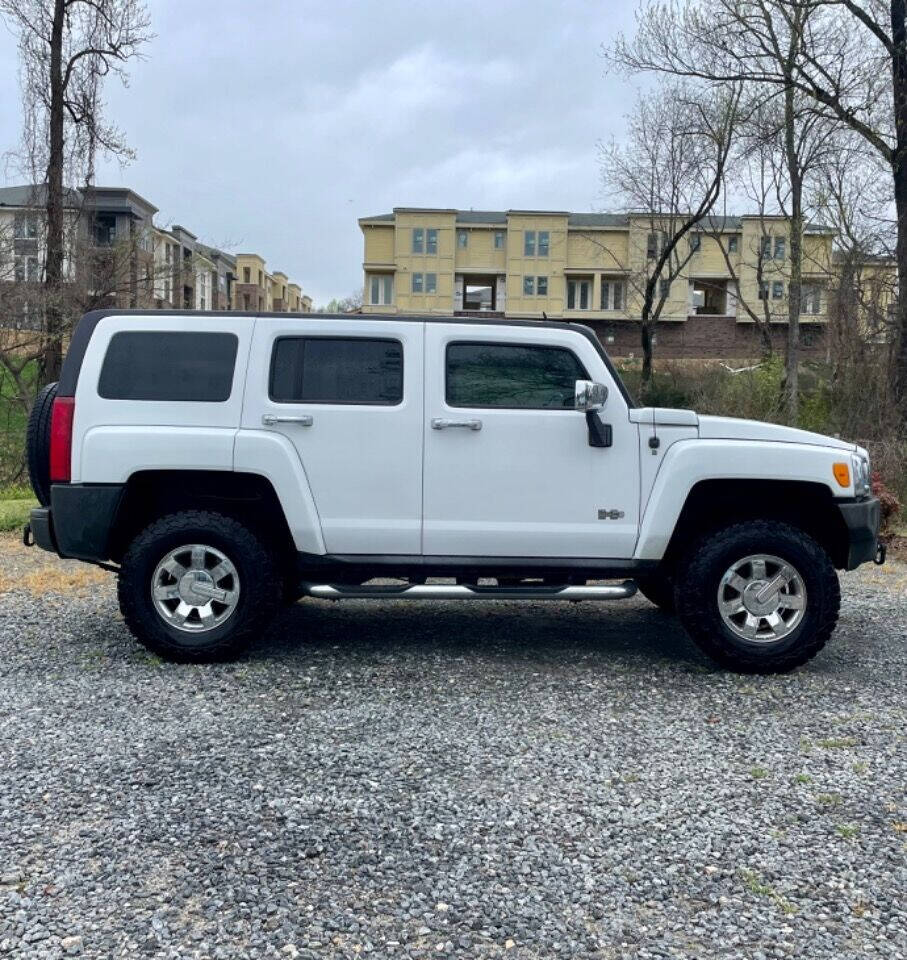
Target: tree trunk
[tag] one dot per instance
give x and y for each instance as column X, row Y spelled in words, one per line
column 53, row 267
column 899, row 173
column 792, row 367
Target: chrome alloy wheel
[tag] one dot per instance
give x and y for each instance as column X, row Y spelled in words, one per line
column 762, row 598
column 195, row 588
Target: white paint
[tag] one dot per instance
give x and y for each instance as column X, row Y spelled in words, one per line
column 527, row 484
column 363, row 463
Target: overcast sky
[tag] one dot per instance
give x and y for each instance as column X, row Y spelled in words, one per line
column 272, row 126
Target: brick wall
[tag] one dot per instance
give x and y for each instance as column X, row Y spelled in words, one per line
column 706, row 337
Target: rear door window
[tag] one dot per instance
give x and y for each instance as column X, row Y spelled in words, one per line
column 341, row 370
column 184, row 366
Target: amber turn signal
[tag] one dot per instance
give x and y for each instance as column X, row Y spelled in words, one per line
column 842, row 474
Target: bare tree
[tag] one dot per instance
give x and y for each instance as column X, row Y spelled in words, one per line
column 846, row 58
column 67, row 48
column 671, row 168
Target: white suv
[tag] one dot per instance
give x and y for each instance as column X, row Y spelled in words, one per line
column 221, row 463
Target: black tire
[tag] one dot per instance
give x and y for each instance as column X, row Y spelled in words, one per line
column 260, row 586
column 697, row 585
column 37, row 443
column 658, row 589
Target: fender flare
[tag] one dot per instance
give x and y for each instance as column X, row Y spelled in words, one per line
column 272, row 456
column 689, row 462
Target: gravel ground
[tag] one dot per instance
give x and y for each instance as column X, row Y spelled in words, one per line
column 415, row 780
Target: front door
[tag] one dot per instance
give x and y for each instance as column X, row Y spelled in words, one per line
column 508, row 468
column 348, row 397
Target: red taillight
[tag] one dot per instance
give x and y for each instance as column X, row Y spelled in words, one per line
column 61, row 439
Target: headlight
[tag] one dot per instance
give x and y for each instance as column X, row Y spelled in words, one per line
column 862, row 485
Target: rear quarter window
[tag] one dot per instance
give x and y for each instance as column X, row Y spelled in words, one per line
column 169, row 366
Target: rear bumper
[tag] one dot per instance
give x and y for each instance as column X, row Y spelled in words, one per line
column 862, row 519
column 42, row 528
column 79, row 520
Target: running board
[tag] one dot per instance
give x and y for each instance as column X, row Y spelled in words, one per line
column 442, row 591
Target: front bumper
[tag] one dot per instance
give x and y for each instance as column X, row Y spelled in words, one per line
column 862, row 519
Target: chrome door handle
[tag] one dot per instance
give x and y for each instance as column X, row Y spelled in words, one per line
column 269, row 419
column 442, row 423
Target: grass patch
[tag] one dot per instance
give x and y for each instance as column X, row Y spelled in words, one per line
column 759, row 773
column 756, row 886
column 803, row 778
column 14, row 513
column 836, row 743
column 847, row 831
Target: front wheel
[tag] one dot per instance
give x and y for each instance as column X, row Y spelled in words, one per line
column 758, row 597
column 198, row 586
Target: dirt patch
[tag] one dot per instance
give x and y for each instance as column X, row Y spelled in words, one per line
column 39, row 572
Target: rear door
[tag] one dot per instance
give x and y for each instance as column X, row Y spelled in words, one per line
column 508, row 467
column 347, row 396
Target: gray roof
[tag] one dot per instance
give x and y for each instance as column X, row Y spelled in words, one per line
column 593, row 220
column 212, row 253
column 34, row 195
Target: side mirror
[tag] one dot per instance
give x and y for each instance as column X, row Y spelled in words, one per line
column 589, row 395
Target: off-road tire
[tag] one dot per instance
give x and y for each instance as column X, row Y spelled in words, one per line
column 696, row 595
column 37, row 443
column 261, row 584
column 658, row 589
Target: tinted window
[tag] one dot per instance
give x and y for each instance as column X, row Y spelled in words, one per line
column 337, row 370
column 169, row 366
column 506, row 375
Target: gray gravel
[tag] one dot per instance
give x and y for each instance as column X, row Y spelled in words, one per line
column 419, row 780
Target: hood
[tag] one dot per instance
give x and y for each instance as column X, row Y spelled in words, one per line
column 731, row 428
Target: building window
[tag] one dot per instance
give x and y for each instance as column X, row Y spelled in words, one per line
column 529, row 243
column 499, row 239
column 246, row 274
column 612, row 295
column 664, row 288
column 418, row 240
column 732, row 245
column 652, row 246
column 541, row 286
column 695, row 242
column 381, row 289
column 431, row 241
column 777, row 290
column 811, row 299
column 543, row 243
column 25, row 226
column 417, row 283
column 515, row 376
column 766, row 247
column 462, row 239
column 763, row 290
column 431, row 283
column 27, row 269
column 261, row 278
column 528, row 286
column 779, row 248
column 579, row 294
column 105, row 229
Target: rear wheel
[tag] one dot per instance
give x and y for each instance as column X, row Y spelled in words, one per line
column 37, row 443
column 198, row 586
column 758, row 597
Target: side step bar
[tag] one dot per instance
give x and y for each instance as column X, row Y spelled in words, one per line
column 442, row 591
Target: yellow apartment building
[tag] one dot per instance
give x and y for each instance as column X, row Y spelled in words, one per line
column 592, row 268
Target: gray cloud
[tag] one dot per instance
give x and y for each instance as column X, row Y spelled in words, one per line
column 272, row 126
